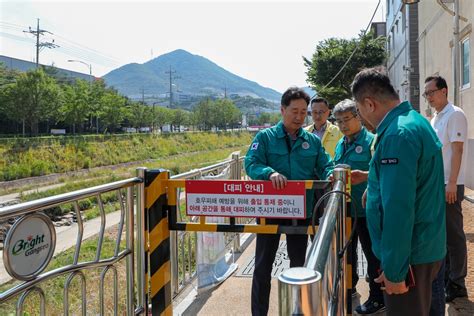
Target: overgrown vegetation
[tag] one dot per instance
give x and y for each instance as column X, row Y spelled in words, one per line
column 176, row 164
column 36, row 157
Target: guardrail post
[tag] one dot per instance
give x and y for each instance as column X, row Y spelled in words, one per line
column 159, row 242
column 142, row 248
column 347, row 229
column 236, row 175
column 300, row 291
column 319, row 287
column 174, row 262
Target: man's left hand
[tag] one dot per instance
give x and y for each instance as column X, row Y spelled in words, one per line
column 391, row 287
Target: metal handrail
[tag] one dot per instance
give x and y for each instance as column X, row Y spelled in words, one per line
column 319, row 250
column 127, row 216
column 60, row 271
column 198, row 172
column 319, row 287
column 52, row 201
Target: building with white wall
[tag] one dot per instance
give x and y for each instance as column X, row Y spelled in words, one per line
column 436, row 50
column 402, row 49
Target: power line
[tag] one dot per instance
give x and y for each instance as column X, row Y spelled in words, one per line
column 354, row 51
column 40, row 45
column 67, row 46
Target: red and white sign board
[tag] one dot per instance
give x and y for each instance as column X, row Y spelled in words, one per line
column 233, row 198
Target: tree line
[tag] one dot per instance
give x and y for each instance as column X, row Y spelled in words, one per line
column 36, row 101
column 333, row 54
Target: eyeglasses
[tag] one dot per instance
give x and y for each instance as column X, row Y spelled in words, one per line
column 319, row 112
column 429, row 93
column 345, row 121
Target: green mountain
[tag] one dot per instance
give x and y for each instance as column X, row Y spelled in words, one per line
column 196, row 77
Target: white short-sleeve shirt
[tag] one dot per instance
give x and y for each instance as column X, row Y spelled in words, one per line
column 451, row 126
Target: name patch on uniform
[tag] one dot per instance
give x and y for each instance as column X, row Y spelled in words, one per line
column 254, row 146
column 389, row 161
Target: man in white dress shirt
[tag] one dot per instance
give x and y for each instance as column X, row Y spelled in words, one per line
column 450, row 124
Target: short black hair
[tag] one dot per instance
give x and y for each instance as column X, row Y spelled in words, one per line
column 294, row 93
column 440, row 81
column 374, row 82
column 320, row 100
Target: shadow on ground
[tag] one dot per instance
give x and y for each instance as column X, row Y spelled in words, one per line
column 461, row 307
column 470, row 237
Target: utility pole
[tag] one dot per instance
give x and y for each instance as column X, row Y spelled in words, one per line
column 142, row 90
column 40, row 45
column 225, row 92
column 171, row 73
column 456, row 54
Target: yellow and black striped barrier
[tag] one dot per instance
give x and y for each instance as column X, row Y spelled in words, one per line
column 158, row 234
column 161, row 201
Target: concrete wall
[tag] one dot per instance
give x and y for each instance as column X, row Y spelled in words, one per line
column 435, row 47
column 402, row 62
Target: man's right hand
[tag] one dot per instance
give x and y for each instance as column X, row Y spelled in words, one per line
column 364, row 199
column 278, row 180
column 359, row 176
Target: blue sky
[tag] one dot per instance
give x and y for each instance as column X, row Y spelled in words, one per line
column 261, row 40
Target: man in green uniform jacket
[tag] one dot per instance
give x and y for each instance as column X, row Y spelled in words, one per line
column 354, row 150
column 281, row 153
column 405, row 195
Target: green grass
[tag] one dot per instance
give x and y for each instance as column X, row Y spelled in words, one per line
column 28, row 158
column 176, row 164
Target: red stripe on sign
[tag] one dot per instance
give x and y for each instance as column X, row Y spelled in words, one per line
column 243, row 187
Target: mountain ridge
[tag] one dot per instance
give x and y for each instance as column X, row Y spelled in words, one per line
column 196, row 76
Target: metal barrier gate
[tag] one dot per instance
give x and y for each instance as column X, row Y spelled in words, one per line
column 325, row 258
column 153, row 257
column 79, row 267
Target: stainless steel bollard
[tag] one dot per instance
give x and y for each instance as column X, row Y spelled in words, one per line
column 299, row 291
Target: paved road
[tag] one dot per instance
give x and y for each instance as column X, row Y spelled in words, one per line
column 15, row 196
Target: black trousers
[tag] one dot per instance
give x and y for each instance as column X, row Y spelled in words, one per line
column 456, row 260
column 373, row 264
column 265, row 251
column 417, row 301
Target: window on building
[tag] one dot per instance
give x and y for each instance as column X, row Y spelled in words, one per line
column 465, row 64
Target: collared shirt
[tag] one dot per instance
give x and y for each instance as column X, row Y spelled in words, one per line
column 321, row 131
column 331, row 136
column 450, row 125
column 349, row 140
